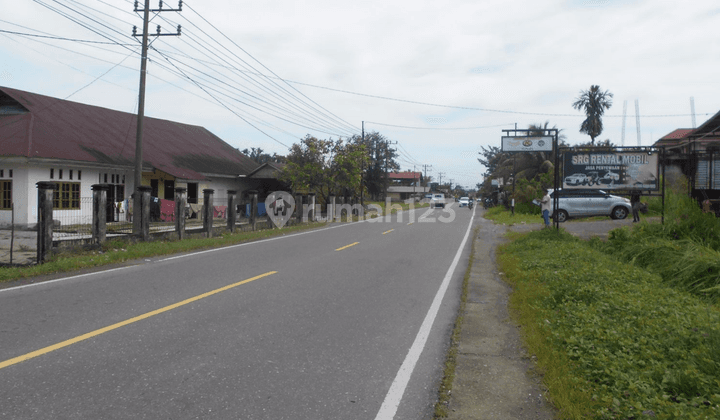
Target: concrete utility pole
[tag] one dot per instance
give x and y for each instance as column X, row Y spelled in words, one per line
column 425, row 167
column 440, row 174
column 362, row 169
column 387, row 155
column 137, row 200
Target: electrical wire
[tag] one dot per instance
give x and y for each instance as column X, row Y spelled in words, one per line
column 302, row 109
column 438, row 128
column 228, row 108
column 265, row 67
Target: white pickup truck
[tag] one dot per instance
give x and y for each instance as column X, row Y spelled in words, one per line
column 437, row 200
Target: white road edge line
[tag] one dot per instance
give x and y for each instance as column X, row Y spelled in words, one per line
column 177, row 257
column 390, row 405
column 65, row 278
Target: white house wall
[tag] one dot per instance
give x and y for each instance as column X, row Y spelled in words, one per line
column 25, row 192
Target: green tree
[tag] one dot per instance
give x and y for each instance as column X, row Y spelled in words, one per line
column 259, row 156
column 380, row 160
column 346, row 172
column 307, row 165
column 325, row 167
column 593, row 102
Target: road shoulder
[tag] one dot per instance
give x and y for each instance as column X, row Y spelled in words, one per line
column 492, row 374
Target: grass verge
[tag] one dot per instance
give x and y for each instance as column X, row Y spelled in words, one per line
column 445, row 390
column 612, row 340
column 117, row 251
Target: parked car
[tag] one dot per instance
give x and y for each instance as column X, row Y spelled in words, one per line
column 437, row 200
column 576, row 179
column 587, row 202
column 464, row 201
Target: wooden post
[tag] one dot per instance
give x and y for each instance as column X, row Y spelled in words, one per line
column 45, row 221
column 208, row 212
column 231, row 211
column 180, row 204
column 99, row 212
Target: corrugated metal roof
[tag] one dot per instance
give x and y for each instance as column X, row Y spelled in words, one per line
column 59, row 129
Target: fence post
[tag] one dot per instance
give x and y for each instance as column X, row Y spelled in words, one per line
column 331, row 209
column 45, row 220
column 299, row 207
column 144, row 191
column 231, row 210
column 253, row 207
column 311, row 206
column 208, row 211
column 180, row 204
column 99, row 212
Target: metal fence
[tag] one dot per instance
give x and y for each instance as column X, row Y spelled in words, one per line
column 74, row 222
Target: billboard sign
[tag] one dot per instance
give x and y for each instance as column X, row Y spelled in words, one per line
column 611, row 170
column 527, row 144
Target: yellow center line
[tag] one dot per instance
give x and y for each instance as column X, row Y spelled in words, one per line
column 410, row 223
column 347, row 246
column 95, row 333
column 388, row 231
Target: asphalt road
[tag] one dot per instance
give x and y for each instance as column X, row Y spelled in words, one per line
column 325, row 324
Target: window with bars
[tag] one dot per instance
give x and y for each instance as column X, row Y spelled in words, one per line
column 5, row 195
column 66, row 196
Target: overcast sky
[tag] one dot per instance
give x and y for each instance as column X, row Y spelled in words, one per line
column 440, row 78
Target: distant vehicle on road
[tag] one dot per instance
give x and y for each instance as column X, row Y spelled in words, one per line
column 464, row 201
column 437, row 200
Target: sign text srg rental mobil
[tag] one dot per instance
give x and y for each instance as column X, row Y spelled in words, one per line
column 611, row 170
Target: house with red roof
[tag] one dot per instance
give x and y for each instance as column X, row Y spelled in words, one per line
column 76, row 145
column 695, row 153
column 405, row 185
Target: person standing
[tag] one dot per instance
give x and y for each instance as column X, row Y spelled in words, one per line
column 545, row 207
column 635, row 203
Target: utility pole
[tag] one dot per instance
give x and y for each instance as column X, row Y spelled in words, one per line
column 387, row 155
column 362, row 168
column 427, row 183
column 137, row 200
column 440, row 174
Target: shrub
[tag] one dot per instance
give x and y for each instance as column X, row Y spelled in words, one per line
column 632, row 346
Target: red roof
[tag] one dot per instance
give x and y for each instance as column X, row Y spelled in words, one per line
column 37, row 126
column 679, row 133
column 404, row 175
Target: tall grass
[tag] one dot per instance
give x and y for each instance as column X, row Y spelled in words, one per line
column 614, row 341
column 685, row 251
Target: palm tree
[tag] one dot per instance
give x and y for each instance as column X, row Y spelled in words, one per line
column 594, row 102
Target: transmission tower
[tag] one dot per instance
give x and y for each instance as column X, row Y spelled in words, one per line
column 622, row 135
column 637, row 121
column 692, row 110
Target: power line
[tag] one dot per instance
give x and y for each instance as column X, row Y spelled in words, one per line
column 438, row 128
column 62, row 38
column 221, row 103
column 265, row 67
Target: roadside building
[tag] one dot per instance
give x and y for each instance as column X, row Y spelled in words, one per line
column 695, row 153
column 76, row 145
column 405, row 185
